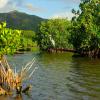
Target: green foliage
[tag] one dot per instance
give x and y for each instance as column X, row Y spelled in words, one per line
column 28, row 34
column 85, row 33
column 54, row 34
column 9, row 39
column 28, row 39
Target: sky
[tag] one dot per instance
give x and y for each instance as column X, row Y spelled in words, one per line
column 41, row 8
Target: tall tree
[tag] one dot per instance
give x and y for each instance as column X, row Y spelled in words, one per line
column 85, row 34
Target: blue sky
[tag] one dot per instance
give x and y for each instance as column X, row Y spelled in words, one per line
column 42, row 8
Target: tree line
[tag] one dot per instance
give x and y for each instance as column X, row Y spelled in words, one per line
column 82, row 33
column 12, row 40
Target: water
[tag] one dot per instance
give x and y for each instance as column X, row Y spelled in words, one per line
column 60, row 77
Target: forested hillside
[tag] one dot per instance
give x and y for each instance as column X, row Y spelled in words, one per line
column 22, row 21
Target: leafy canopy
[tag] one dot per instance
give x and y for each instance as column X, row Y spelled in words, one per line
column 85, row 33
column 9, row 39
column 54, row 34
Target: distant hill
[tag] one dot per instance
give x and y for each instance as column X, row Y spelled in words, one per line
column 20, row 20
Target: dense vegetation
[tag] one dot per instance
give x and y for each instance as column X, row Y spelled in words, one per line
column 54, row 33
column 28, row 40
column 12, row 40
column 83, row 31
column 9, row 40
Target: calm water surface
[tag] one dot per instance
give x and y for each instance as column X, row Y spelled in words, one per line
column 60, row 77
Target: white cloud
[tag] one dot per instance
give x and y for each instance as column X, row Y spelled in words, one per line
column 68, row 15
column 9, row 5
column 3, row 3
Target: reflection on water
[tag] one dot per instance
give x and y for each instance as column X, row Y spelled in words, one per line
column 61, row 77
